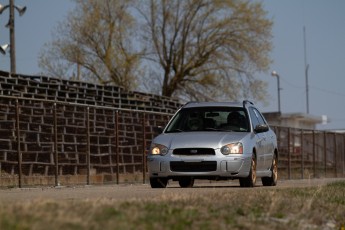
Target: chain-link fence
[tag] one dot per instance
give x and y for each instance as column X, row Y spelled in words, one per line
column 45, row 142
column 50, row 143
column 310, row 153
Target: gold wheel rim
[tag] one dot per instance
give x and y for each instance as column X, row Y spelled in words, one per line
column 253, row 171
column 275, row 169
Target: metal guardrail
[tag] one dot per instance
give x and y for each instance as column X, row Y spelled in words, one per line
column 47, row 138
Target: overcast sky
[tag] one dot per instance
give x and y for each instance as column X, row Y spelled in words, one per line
column 324, row 21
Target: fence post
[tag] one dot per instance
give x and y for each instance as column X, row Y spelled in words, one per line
column 117, row 146
column 302, row 158
column 55, row 147
column 314, row 157
column 289, row 156
column 144, row 150
column 325, row 151
column 343, row 154
column 88, row 145
column 335, row 154
column 19, row 154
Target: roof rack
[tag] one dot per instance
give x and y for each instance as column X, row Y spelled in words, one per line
column 247, row 101
column 190, row 102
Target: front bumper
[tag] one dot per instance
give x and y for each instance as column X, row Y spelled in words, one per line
column 215, row 167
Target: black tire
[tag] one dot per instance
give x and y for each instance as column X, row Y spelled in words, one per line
column 186, row 182
column 158, row 182
column 272, row 181
column 251, row 179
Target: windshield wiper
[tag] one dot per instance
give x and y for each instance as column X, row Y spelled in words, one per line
column 176, row 131
column 213, row 129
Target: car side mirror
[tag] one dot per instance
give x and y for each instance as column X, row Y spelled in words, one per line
column 261, row 128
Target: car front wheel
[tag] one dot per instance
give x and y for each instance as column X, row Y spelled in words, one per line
column 186, row 182
column 158, row 182
column 251, row 179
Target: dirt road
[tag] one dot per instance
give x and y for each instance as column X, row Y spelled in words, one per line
column 139, row 191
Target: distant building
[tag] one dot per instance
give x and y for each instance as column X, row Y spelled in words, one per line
column 293, row 120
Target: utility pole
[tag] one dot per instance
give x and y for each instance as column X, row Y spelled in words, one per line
column 10, row 25
column 306, row 68
column 12, row 38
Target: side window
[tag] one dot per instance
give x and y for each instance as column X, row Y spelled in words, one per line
column 259, row 116
column 256, row 117
column 253, row 117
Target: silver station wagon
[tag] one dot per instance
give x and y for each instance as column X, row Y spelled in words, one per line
column 214, row 141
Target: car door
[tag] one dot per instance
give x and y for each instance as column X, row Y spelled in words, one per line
column 267, row 140
column 260, row 138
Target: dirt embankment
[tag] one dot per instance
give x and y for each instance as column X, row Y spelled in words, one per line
column 140, row 191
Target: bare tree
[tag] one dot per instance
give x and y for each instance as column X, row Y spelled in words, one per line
column 207, row 49
column 190, row 49
column 94, row 43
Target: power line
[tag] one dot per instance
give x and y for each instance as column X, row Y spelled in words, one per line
column 315, row 88
column 329, row 91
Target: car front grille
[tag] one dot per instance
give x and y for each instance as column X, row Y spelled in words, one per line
column 203, row 166
column 194, row 151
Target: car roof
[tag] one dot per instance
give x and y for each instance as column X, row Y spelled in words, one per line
column 213, row 104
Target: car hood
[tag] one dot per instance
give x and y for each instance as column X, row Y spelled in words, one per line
column 199, row 139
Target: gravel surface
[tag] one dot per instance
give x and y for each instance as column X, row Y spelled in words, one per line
column 139, row 191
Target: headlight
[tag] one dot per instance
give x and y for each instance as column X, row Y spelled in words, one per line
column 233, row 148
column 157, row 149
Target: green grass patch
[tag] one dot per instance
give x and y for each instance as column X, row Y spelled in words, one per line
column 258, row 208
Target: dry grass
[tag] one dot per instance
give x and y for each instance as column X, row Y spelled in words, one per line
column 298, row 208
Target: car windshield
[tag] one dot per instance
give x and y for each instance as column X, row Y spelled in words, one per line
column 210, row 119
